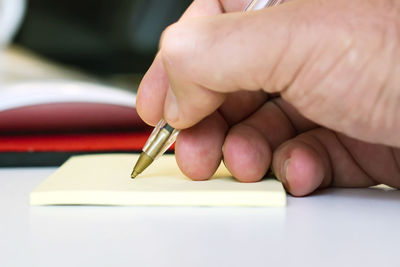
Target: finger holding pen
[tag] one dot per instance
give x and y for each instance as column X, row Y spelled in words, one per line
column 163, row 136
column 327, row 59
column 152, row 90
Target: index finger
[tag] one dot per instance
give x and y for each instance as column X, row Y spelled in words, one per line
column 153, row 88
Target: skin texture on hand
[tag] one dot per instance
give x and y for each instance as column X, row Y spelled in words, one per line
column 310, row 87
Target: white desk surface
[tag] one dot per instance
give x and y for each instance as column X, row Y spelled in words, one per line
column 353, row 227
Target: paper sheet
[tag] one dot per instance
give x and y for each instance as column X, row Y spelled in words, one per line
column 105, row 180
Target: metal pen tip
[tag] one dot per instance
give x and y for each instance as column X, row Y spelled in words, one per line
column 134, row 174
column 142, row 163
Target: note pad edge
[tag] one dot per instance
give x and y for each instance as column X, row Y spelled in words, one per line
column 105, row 198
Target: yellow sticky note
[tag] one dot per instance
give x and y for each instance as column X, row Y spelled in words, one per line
column 105, row 180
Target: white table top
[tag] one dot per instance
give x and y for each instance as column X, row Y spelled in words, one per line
column 336, row 227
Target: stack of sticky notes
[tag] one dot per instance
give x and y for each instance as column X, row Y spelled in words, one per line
column 105, row 180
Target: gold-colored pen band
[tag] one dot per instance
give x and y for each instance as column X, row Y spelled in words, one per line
column 152, row 150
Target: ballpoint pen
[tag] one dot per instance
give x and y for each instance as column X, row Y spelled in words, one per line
column 163, row 135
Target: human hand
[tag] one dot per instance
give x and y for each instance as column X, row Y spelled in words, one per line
column 335, row 66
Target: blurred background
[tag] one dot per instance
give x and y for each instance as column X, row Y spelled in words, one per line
column 98, row 36
column 69, row 71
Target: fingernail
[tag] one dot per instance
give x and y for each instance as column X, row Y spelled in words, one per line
column 171, row 107
column 283, row 176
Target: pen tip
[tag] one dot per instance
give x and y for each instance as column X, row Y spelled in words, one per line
column 134, row 174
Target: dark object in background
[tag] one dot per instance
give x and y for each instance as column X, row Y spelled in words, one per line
column 100, row 36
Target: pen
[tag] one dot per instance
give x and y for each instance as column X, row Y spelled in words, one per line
column 163, row 135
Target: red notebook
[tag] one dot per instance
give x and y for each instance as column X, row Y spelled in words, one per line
column 43, row 123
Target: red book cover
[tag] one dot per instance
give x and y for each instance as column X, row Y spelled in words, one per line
column 44, row 123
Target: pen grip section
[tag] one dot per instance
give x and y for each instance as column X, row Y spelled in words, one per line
column 162, row 137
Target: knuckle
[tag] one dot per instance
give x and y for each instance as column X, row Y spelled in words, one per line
column 172, row 44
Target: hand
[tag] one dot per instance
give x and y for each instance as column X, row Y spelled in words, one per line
column 309, row 87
